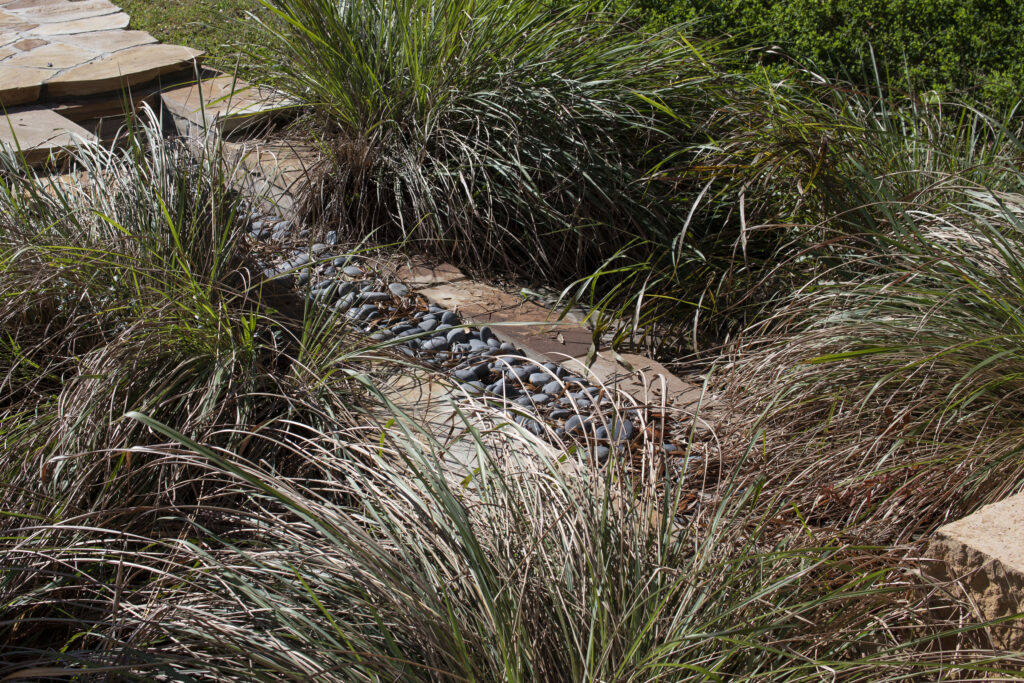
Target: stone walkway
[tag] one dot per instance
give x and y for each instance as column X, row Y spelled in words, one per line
column 68, row 69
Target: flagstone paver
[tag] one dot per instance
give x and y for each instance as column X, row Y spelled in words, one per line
column 67, row 11
column 222, row 102
column 53, row 56
column 110, row 41
column 107, row 22
column 39, row 133
column 20, row 85
column 122, row 69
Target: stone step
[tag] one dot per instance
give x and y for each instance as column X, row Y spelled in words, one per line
column 123, row 69
column 223, row 103
column 40, row 134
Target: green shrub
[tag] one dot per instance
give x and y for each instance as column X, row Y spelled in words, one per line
column 942, row 45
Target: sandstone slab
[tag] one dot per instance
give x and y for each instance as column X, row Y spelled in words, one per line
column 20, row 85
column 65, row 10
column 223, row 102
column 40, row 134
column 11, row 23
column 123, row 69
column 107, row 22
column 6, row 52
column 54, row 56
column 985, row 553
column 29, row 4
column 108, row 41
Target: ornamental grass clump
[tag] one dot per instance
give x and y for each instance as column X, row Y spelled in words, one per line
column 505, row 134
column 395, row 565
column 889, row 386
column 128, row 286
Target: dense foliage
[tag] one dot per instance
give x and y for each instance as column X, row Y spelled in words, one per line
column 941, row 45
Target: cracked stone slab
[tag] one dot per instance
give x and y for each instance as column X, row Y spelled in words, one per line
column 54, row 56
column 21, row 85
column 107, row 22
column 40, row 134
column 123, row 69
column 108, row 41
column 6, row 52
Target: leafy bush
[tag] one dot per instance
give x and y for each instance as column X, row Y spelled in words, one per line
column 943, row 45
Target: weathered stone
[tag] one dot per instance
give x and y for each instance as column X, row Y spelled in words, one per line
column 66, row 11
column 107, row 22
column 30, row 4
column 10, row 23
column 122, row 69
column 54, row 56
column 109, row 41
column 224, row 102
column 20, row 85
column 985, row 552
column 40, row 133
column 6, row 52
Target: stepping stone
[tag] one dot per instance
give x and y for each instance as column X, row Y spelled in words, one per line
column 123, row 69
column 65, row 10
column 107, row 22
column 40, row 133
column 224, row 102
column 108, row 41
column 54, row 56
column 21, row 85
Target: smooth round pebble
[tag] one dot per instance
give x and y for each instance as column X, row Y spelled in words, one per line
column 554, row 388
column 398, row 289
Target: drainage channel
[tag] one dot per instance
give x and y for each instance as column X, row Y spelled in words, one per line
column 548, row 399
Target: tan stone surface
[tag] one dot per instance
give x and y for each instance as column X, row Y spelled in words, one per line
column 10, row 23
column 985, row 552
column 30, row 44
column 54, row 56
column 66, row 11
column 107, row 22
column 6, row 52
column 644, row 378
column 109, row 41
column 30, row 4
column 38, row 133
column 20, row 85
column 224, row 101
column 122, row 69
